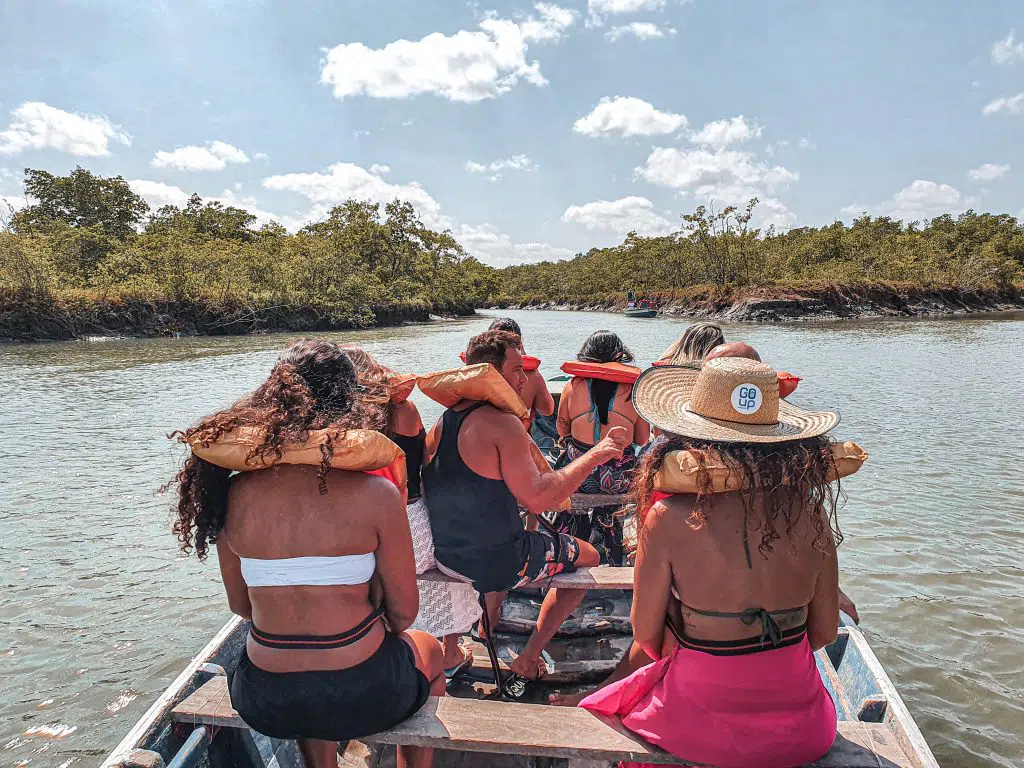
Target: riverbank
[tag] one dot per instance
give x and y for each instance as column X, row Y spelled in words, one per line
column 772, row 304
column 24, row 319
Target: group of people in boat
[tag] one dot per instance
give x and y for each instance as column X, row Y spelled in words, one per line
column 344, row 498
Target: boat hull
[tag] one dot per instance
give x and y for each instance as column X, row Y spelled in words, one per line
column 641, row 313
column 583, row 652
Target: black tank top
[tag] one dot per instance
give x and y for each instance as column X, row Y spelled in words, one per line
column 413, row 446
column 475, row 520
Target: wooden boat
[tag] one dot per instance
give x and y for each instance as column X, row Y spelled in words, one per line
column 639, row 312
column 876, row 729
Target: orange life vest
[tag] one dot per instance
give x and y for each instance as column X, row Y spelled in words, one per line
column 787, row 381
column 356, row 450
column 617, row 372
column 530, row 363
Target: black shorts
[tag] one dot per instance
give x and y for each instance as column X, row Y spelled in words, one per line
column 334, row 705
column 547, row 554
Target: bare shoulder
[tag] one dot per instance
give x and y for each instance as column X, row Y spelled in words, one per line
column 407, row 419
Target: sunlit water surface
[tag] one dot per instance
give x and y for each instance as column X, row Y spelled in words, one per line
column 99, row 613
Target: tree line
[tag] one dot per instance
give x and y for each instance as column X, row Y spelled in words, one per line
column 86, row 241
column 718, row 249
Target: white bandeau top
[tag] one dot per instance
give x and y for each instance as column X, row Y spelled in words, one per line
column 309, row 571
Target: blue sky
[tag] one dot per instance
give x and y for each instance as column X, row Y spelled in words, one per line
column 532, row 131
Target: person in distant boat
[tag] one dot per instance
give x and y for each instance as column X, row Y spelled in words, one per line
column 590, row 407
column 321, row 561
column 693, row 345
column 535, row 395
column 479, row 470
column 447, row 610
column 748, row 579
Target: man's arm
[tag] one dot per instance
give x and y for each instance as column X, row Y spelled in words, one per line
column 539, row 491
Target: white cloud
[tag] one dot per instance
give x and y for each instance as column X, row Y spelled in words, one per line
column 771, row 212
column 988, row 172
column 1013, row 105
column 260, row 156
column 599, row 8
column 344, row 181
column 921, row 200
column 215, row 156
column 499, row 250
column 467, row 66
column 1007, row 51
column 495, row 167
column 39, row 126
column 721, row 133
column 628, row 116
column 726, row 175
column 619, row 216
column 642, row 30
column 379, row 170
column 158, row 194
column 806, row 143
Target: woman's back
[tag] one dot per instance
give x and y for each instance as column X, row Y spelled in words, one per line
column 278, row 514
column 580, row 414
column 710, row 573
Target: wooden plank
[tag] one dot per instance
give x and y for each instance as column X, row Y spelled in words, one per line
column 494, row 727
column 531, row 729
column 596, row 500
column 583, row 578
column 563, row 672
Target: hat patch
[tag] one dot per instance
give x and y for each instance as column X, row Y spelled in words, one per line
column 746, row 399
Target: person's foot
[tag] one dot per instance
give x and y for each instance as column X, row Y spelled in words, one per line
column 529, row 669
column 567, row 699
column 456, row 658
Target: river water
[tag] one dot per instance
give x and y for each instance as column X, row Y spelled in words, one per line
column 98, row 613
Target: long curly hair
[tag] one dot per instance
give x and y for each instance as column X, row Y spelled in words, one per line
column 374, row 379
column 312, row 386
column 782, row 483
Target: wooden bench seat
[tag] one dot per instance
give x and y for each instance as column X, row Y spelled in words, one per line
column 582, row 578
column 466, row 725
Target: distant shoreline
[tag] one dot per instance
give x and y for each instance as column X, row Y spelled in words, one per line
column 770, row 304
column 47, row 320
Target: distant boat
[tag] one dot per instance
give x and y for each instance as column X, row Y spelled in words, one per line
column 641, row 312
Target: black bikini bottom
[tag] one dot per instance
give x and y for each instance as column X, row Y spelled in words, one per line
column 333, row 705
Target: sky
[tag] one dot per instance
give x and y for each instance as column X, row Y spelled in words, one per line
column 532, row 131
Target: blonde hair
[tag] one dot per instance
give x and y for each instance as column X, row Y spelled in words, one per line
column 694, row 344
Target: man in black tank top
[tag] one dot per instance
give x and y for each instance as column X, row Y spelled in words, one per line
column 480, row 471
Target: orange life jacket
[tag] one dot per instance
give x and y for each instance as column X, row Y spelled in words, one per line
column 617, row 372
column 787, row 381
column 356, row 450
column 530, row 363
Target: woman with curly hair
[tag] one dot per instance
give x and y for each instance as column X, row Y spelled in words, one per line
column 446, row 610
column 319, row 559
column 746, row 582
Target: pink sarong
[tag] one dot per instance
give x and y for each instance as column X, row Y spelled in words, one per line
column 759, row 710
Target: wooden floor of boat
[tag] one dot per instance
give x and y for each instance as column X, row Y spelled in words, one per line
column 466, row 725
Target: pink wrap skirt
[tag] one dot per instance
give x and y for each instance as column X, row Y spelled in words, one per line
column 768, row 709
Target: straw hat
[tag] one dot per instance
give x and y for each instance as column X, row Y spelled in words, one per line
column 728, row 399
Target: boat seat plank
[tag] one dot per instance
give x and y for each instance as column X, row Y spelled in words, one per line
column 496, row 727
column 582, row 501
column 582, row 578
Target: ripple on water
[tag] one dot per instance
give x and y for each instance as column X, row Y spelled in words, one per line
column 98, row 613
